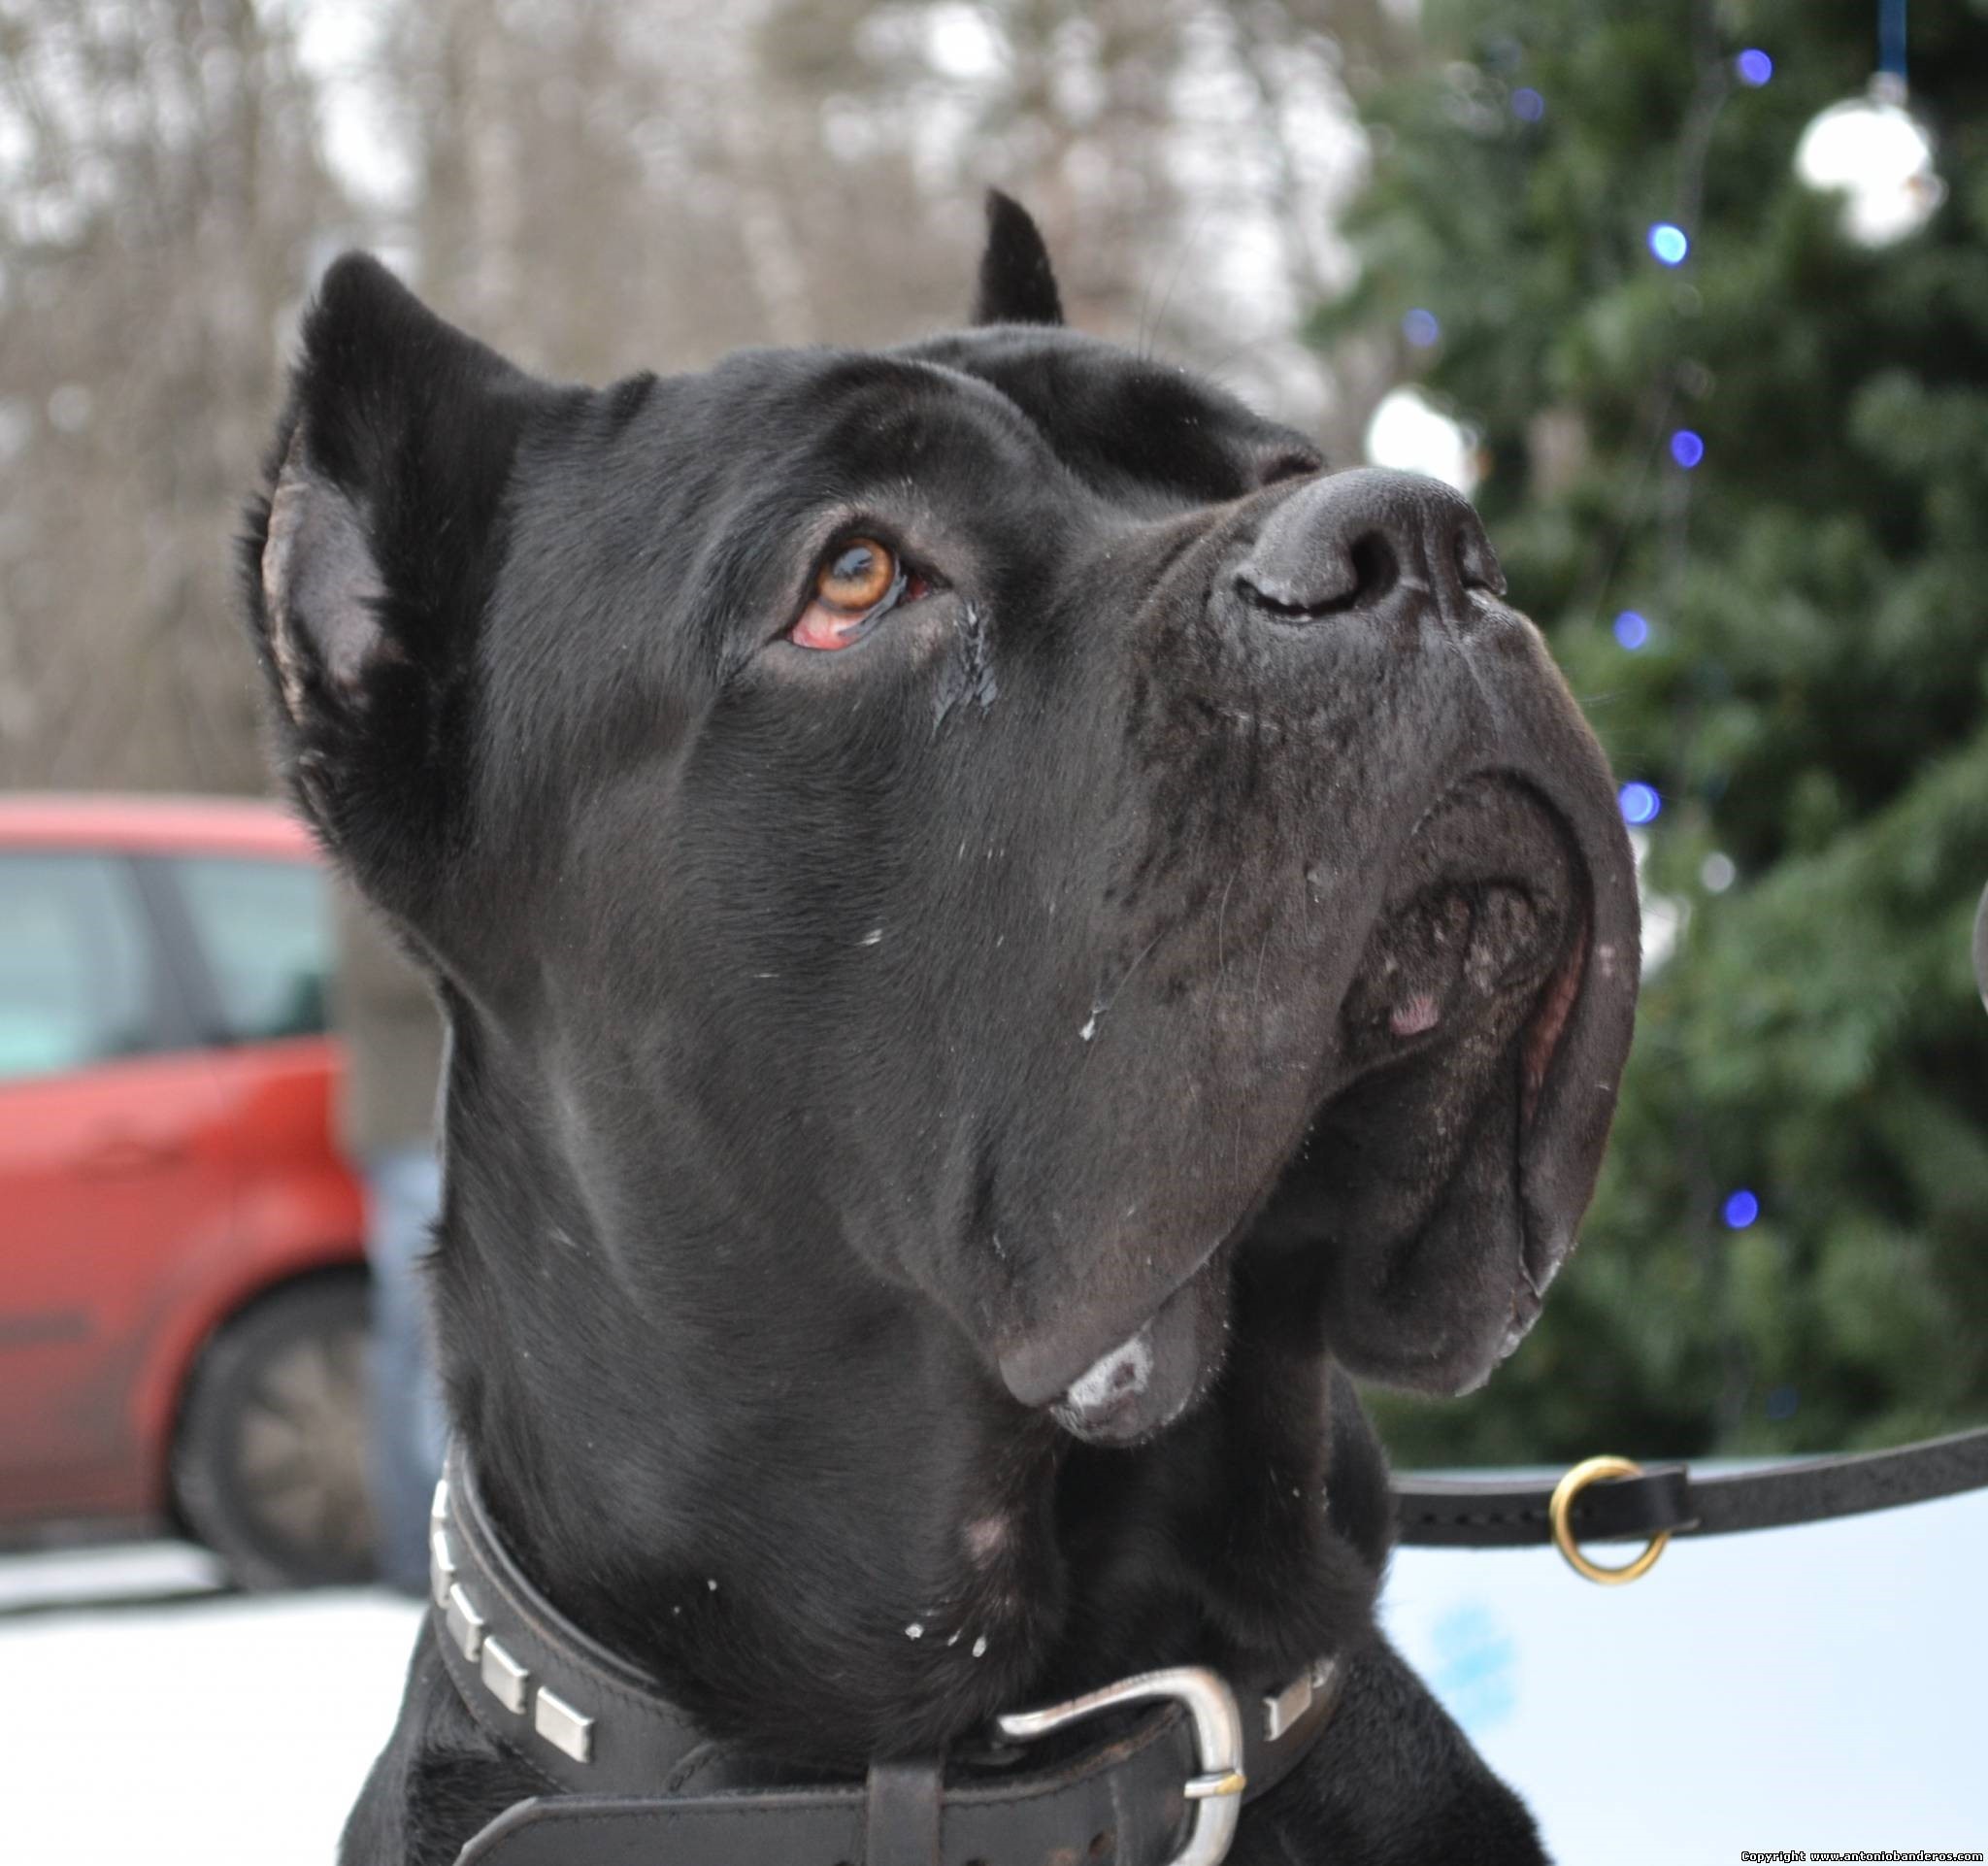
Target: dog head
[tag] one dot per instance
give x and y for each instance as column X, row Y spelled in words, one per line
column 996, row 812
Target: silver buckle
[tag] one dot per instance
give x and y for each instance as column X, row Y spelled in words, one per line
column 1217, row 1791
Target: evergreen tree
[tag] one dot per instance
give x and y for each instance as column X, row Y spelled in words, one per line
column 1809, row 704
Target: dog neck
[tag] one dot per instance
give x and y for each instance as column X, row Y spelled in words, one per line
column 793, row 1494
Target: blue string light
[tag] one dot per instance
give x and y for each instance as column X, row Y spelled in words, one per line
column 1670, row 242
column 1527, row 105
column 1421, row 328
column 1632, row 630
column 1639, row 804
column 1741, row 1210
column 1755, row 67
column 1687, row 448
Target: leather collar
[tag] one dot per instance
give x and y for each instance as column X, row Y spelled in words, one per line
column 1159, row 1781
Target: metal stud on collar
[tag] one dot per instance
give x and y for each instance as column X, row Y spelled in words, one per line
column 506, row 1680
column 441, row 1564
column 1283, row 1712
column 562, row 1725
column 465, row 1624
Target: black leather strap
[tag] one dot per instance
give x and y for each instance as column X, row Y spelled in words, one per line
column 635, row 1784
column 1441, row 1513
column 901, row 1814
column 1123, row 1801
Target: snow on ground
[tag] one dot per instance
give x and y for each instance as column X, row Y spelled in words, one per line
column 1809, row 1688
column 189, row 1730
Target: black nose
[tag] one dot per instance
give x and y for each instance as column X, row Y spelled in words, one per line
column 1349, row 540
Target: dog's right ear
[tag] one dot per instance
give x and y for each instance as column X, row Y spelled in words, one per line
column 1016, row 285
column 368, row 563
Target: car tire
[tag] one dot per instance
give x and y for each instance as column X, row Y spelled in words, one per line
column 269, row 1463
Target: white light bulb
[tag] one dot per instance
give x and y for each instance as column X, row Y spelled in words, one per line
column 1409, row 432
column 1878, row 156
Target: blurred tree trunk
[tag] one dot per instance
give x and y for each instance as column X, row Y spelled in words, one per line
column 153, row 238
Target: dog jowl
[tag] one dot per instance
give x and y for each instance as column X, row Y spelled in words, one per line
column 1004, row 929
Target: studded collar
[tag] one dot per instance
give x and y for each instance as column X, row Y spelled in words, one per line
column 594, row 1725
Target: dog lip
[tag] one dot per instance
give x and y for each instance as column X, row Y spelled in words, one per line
column 1463, row 1358
column 1540, row 1037
column 1042, row 1368
column 1122, row 1372
column 1106, row 1404
column 1579, row 1039
column 1139, row 1389
column 1047, row 1367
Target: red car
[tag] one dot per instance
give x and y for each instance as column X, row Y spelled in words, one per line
column 182, row 1289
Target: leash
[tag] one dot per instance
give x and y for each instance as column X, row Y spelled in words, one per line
column 632, row 1781
column 1610, row 1499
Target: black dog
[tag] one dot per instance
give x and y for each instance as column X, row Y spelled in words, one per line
column 1000, row 926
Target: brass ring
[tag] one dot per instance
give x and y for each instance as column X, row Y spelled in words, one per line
column 1561, row 1512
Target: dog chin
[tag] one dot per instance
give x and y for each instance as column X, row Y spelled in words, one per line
column 1158, row 1374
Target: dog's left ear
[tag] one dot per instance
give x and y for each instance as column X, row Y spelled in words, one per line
column 1016, row 285
column 368, row 565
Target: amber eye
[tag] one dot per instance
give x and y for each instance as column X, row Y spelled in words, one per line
column 858, row 576
column 859, row 581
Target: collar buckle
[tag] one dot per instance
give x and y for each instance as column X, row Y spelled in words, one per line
column 1215, row 1792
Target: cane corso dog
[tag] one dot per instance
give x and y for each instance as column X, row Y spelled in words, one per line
column 1006, row 931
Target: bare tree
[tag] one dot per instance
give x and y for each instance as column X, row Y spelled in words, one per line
column 164, row 186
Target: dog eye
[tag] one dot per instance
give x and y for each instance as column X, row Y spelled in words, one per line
column 859, row 581
column 858, row 576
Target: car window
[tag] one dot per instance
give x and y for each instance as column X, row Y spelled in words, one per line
column 74, row 964
column 265, row 929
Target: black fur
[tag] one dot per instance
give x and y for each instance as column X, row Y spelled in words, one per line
column 1017, row 285
column 850, row 1047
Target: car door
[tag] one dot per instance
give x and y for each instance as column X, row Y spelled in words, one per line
column 114, row 1161
column 257, row 944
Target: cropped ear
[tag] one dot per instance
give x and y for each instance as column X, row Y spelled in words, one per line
column 1016, row 285
column 369, row 562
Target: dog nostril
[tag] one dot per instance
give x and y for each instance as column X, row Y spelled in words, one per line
column 1273, row 604
column 1360, row 540
column 1377, row 567
column 1356, row 576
